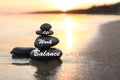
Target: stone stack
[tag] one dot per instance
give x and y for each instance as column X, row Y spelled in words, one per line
column 43, row 44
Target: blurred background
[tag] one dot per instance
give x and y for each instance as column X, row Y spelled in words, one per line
column 88, row 31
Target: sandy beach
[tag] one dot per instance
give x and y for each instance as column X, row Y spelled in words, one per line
column 105, row 51
column 97, row 60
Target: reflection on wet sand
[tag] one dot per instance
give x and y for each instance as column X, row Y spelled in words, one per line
column 46, row 70
column 20, row 64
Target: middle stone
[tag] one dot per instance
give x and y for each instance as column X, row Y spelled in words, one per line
column 45, row 42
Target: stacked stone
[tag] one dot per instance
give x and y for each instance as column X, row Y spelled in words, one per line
column 43, row 44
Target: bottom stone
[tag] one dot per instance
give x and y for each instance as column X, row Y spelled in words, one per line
column 21, row 52
column 51, row 53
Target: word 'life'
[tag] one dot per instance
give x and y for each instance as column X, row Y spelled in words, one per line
column 45, row 32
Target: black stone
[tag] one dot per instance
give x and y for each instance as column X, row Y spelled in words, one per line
column 45, row 42
column 45, row 26
column 51, row 53
column 44, row 32
column 21, row 52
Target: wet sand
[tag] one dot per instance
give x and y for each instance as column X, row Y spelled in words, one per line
column 99, row 60
column 104, row 51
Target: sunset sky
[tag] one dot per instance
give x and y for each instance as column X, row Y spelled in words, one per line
column 43, row 5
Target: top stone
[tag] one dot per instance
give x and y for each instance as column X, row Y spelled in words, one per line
column 45, row 26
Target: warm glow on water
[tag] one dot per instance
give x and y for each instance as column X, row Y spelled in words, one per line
column 69, row 32
column 75, row 32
